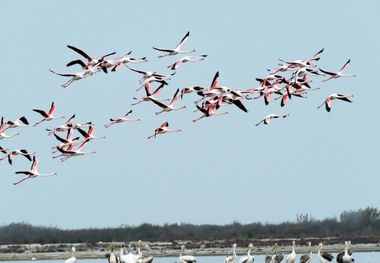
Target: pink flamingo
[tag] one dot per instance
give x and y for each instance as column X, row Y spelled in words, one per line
column 89, row 134
column 92, row 61
column 20, row 122
column 66, row 142
column 70, row 152
column 32, row 173
column 177, row 50
column 332, row 97
column 168, row 107
column 12, row 153
column 47, row 116
column 269, row 117
column 180, row 61
column 163, row 129
column 210, row 110
column 146, row 98
column 2, row 130
column 339, row 74
column 63, row 127
column 120, row 120
column 306, row 62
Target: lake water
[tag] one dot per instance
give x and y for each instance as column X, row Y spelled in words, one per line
column 360, row 257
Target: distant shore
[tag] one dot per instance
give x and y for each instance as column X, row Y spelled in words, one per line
column 158, row 249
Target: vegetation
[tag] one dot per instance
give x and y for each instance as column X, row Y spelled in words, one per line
column 362, row 223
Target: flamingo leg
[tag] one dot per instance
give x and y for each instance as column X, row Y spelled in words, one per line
column 22, row 180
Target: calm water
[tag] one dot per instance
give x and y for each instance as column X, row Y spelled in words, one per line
column 360, row 257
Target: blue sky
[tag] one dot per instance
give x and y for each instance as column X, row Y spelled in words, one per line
column 217, row 170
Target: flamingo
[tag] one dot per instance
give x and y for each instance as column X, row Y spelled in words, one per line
column 161, row 80
column 61, row 128
column 20, row 122
column 306, row 258
column 2, row 130
column 190, row 90
column 33, row 172
column 185, row 59
column 291, row 258
column 210, row 110
column 75, row 126
column 118, row 62
column 12, row 153
column 185, row 259
column 70, row 152
column 87, row 71
column 324, row 257
column 47, row 116
column 168, row 107
column 163, row 129
column 248, row 258
column 146, row 98
column 120, row 120
column 332, row 97
column 148, row 74
column 269, row 117
column 89, row 134
column 339, row 74
column 177, row 50
column 231, row 259
column 72, row 259
column 92, row 61
column 306, row 62
column 229, row 99
column 66, row 142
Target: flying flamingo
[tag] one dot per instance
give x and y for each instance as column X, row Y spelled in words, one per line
column 120, row 120
column 147, row 74
column 339, row 74
column 47, row 116
column 12, row 153
column 185, row 59
column 32, row 173
column 89, row 134
column 66, row 142
column 177, row 50
column 70, row 152
column 87, row 71
column 332, row 97
column 118, row 62
column 190, row 90
column 210, row 110
column 61, row 128
column 163, row 129
column 2, row 130
column 269, row 117
column 92, row 61
column 168, row 107
column 146, row 98
column 306, row 62
column 20, row 122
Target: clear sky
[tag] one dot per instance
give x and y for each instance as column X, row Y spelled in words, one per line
column 220, row 169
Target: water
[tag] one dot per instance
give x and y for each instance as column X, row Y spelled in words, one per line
column 360, row 257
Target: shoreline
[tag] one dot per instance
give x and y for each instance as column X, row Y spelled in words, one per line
column 158, row 249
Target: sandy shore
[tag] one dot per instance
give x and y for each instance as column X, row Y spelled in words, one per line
column 158, row 249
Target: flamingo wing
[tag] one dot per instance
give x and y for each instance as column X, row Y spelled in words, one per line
column 183, row 41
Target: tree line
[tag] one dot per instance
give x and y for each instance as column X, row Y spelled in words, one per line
column 362, row 223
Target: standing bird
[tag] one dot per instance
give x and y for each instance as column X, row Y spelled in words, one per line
column 339, row 74
column 20, row 122
column 306, row 258
column 177, row 50
column 324, row 257
column 120, row 120
column 185, row 59
column 72, row 258
column 248, row 258
column 277, row 257
column 32, row 173
column 47, row 116
column 269, row 117
column 2, row 130
column 340, row 255
column 291, row 258
column 163, row 129
column 231, row 259
column 185, row 259
column 332, row 97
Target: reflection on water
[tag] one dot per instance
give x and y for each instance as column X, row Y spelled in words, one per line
column 360, row 257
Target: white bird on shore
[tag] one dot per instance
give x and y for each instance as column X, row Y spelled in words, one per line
column 185, row 259
column 306, row 258
column 231, row 259
column 291, row 258
column 71, row 259
column 324, row 257
column 248, row 258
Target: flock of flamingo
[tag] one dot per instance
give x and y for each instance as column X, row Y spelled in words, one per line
column 273, row 256
column 289, row 79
